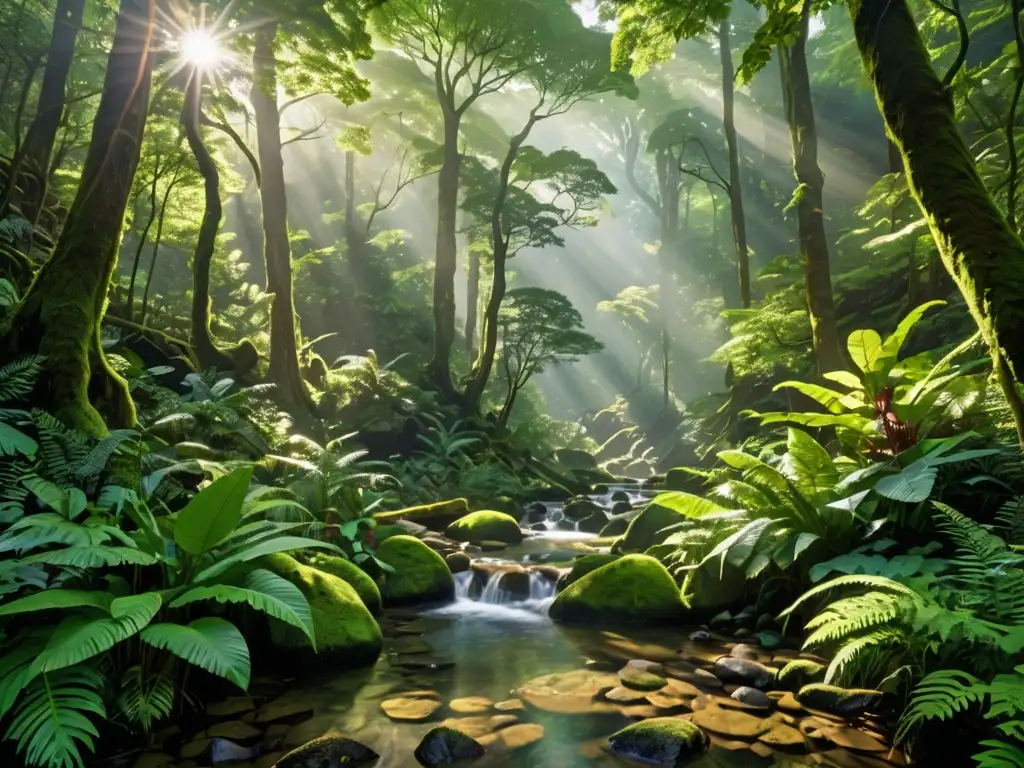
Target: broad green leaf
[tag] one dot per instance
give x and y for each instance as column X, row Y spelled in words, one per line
column 51, row 494
column 213, row 513
column 865, row 348
column 13, row 442
column 58, row 598
column 209, row 643
column 686, row 504
column 79, row 638
column 95, row 556
column 808, row 464
column 263, row 548
column 892, row 345
column 860, row 424
column 835, row 402
column 264, row 591
column 845, row 378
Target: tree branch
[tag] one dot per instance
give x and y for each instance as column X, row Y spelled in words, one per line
column 233, row 134
column 965, row 38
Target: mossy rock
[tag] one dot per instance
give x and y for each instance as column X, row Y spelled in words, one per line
column 486, row 525
column 633, row 589
column 384, row 532
column 421, row 575
column 645, row 530
column 577, row 509
column 616, row 528
column 583, row 565
column 593, row 524
column 508, row 505
column 356, row 577
column 684, row 479
column 800, row 672
column 343, row 626
column 434, row 516
column 709, row 588
column 664, row 741
column 641, row 680
column 845, row 702
column 660, row 551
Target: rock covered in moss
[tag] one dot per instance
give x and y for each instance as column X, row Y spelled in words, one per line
column 845, row 702
column 583, row 565
column 664, row 741
column 743, row 672
column 711, row 587
column 595, row 523
column 434, row 516
column 445, row 746
column 420, row 576
column 616, row 527
column 458, row 562
column 641, row 679
column 632, row 589
column 800, row 672
column 344, row 628
column 486, row 525
column 647, row 528
column 356, row 577
column 577, row 509
column 328, row 752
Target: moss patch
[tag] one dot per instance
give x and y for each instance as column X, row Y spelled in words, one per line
column 800, row 672
column 486, row 525
column 434, row 516
column 634, row 588
column 645, row 529
column 343, row 626
column 616, row 527
column 668, row 741
column 707, row 589
column 581, row 566
column 356, row 577
column 421, row 575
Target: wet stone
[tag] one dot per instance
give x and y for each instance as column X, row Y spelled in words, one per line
column 153, row 760
column 743, row 651
column 284, row 711
column 752, row 697
column 230, row 707
column 514, row 737
column 328, row 751
column 235, row 730
column 410, row 709
column 731, row 723
column 743, row 672
column 470, row 705
column 444, row 746
column 509, row 705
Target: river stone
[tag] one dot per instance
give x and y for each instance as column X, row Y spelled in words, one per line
column 284, row 711
column 639, row 680
column 538, row 527
column 664, row 701
column 593, row 523
column 412, row 710
column 800, row 672
column 624, row 695
column 328, row 752
column 445, row 746
column 700, row 636
column 509, row 705
column 730, row 722
column 514, row 737
column 569, row 692
column 782, row 736
column 458, row 562
column 632, row 589
column 153, row 760
column 849, row 738
column 663, row 741
column 475, row 727
column 743, row 651
column 743, row 672
column 235, row 730
column 536, row 512
column 470, row 705
column 231, row 707
column 752, row 697
column 683, row 688
column 620, row 496
column 845, row 702
column 789, row 703
column 577, row 509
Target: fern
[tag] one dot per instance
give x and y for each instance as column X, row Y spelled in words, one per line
column 210, row 643
column 18, row 378
column 145, row 699
column 940, row 696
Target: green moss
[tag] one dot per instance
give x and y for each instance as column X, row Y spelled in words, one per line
column 343, row 626
column 583, row 565
column 577, row 509
column 660, row 741
column 355, row 576
column 645, row 530
column 641, row 680
column 421, row 575
column 634, row 588
column 485, row 525
column 615, row 528
column 836, row 700
column 709, row 588
column 383, row 532
column 434, row 516
column 799, row 673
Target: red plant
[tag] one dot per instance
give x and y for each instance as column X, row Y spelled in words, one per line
column 900, row 434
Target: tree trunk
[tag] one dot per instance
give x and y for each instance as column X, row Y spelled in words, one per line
column 354, row 240
column 208, row 353
column 18, row 159
column 42, row 134
column 809, row 205
column 439, row 371
column 739, row 222
column 156, row 245
column 980, row 250
column 60, row 314
column 668, row 173
column 472, row 303
column 130, row 302
column 284, row 354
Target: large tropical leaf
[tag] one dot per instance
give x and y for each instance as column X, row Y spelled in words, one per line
column 213, row 513
column 79, row 638
column 93, row 557
column 13, row 442
column 865, row 348
column 809, row 465
column 210, row 643
column 52, row 599
column 892, row 345
column 264, row 591
column 687, row 504
column 835, row 402
column 263, row 548
column 53, row 528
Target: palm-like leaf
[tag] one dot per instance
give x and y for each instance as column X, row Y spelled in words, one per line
column 210, row 643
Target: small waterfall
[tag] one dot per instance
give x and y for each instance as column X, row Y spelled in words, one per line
column 541, row 591
column 463, row 582
column 541, row 587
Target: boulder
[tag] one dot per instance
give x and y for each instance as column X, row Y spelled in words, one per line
column 743, row 672
column 595, row 523
column 328, row 752
column 445, row 746
column 344, row 628
column 486, row 525
column 421, row 575
column 664, row 741
column 752, row 697
column 434, row 516
column 684, row 479
column 616, row 527
column 583, row 565
column 621, row 507
column 646, row 529
column 356, row 577
column 845, row 702
column 800, row 672
column 620, row 496
column 633, row 589
column 458, row 562
column 572, row 458
column 536, row 512
column 713, row 586
column 577, row 509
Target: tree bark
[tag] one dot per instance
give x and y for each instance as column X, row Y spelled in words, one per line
column 739, row 222
column 439, row 370
column 208, row 353
column 354, row 240
column 60, row 314
column 284, row 354
column 980, row 250
column 809, row 205
column 42, row 134
column 472, row 303
column 668, row 173
column 130, row 301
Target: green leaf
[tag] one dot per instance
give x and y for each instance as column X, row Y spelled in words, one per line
column 808, row 464
column 845, row 378
column 263, row 548
column 865, row 348
column 14, row 441
column 209, row 643
column 893, row 344
column 835, row 402
column 686, row 504
column 78, row 638
column 93, row 557
column 213, row 513
column 58, row 598
column 264, row 591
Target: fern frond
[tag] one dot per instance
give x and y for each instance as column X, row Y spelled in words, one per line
column 145, row 700
column 940, row 696
column 18, row 378
column 848, row 617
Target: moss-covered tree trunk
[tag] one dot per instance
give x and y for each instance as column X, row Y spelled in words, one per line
column 669, row 186
column 42, row 133
column 984, row 255
column 739, row 221
column 208, row 353
column 60, row 314
column 284, row 353
column 809, row 204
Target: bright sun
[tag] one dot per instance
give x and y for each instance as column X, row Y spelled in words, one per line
column 200, row 48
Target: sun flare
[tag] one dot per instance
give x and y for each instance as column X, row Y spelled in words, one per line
column 200, row 48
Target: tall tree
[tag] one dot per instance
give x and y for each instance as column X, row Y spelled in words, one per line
column 60, row 314
column 739, row 221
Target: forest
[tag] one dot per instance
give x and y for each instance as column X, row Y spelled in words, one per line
column 554, row 383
